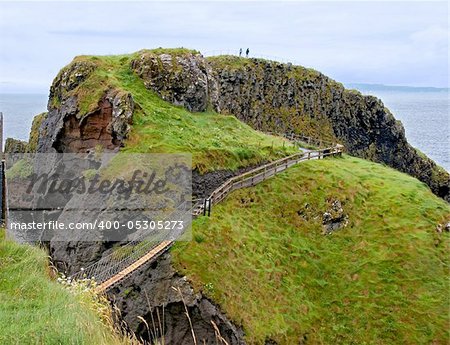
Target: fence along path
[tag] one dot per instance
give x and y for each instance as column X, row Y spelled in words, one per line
column 113, row 268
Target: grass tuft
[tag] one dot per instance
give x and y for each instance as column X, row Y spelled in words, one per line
column 35, row 309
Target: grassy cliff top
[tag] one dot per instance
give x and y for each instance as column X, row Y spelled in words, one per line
column 383, row 279
column 35, row 309
column 232, row 62
column 215, row 141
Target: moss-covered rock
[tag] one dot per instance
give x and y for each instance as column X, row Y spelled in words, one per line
column 182, row 78
column 35, row 132
column 15, row 146
column 67, row 80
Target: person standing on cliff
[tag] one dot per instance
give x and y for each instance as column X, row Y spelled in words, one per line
column 246, row 52
column 240, row 52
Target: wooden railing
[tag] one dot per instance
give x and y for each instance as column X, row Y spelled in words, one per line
column 266, row 171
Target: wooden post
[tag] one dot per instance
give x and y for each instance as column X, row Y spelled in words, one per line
column 209, row 207
column 204, row 207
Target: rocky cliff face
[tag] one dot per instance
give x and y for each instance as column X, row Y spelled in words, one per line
column 68, row 127
column 157, row 292
column 275, row 96
column 267, row 95
column 271, row 96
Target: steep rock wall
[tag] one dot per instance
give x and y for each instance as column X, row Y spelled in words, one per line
column 157, row 292
column 271, row 96
column 66, row 128
column 261, row 92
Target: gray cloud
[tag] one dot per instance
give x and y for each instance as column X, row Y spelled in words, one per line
column 379, row 42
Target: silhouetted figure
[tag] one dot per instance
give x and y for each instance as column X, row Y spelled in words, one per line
column 240, row 52
column 246, row 52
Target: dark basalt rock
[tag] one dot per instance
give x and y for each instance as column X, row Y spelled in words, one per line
column 157, row 292
column 271, row 96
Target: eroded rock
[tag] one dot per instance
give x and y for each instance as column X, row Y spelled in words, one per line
column 107, row 126
column 334, row 218
column 158, row 289
column 184, row 80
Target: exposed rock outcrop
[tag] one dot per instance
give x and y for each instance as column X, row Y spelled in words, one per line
column 158, row 289
column 334, row 218
column 272, row 96
column 182, row 81
column 68, row 129
column 106, row 126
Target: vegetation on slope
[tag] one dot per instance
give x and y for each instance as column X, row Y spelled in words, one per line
column 381, row 280
column 35, row 309
column 302, row 114
column 215, row 141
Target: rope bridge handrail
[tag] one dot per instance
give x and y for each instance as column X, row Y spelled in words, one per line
column 129, row 253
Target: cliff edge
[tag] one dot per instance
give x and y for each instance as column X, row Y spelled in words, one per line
column 87, row 105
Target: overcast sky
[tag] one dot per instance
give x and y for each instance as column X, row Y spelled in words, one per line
column 394, row 43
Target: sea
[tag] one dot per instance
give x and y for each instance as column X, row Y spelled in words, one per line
column 424, row 112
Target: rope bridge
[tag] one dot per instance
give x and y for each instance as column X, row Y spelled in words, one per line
column 112, row 268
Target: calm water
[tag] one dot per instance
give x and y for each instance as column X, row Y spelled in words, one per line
column 425, row 116
column 18, row 112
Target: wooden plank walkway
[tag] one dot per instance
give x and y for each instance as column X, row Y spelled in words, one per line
column 154, row 253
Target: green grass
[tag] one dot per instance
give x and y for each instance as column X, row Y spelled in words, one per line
column 381, row 280
column 34, row 309
column 216, row 141
column 230, row 62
